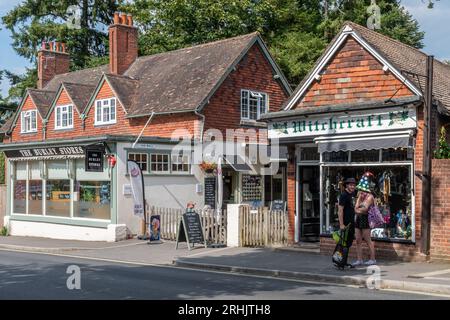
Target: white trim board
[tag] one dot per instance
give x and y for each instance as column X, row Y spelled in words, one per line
column 348, row 31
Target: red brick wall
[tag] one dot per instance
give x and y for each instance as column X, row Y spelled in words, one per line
column 51, row 133
column 291, row 193
column 254, row 73
column 123, row 49
column 440, row 213
column 26, row 137
column 353, row 75
column 50, row 64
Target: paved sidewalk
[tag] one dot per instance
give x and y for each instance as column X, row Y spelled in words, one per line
column 408, row 276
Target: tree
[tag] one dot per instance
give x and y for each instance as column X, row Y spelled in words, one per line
column 296, row 31
column 34, row 21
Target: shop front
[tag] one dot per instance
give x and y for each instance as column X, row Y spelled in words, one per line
column 55, row 191
column 328, row 147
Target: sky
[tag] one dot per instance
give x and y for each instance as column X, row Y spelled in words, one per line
column 433, row 22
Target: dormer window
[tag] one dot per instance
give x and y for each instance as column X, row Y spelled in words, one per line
column 253, row 104
column 29, row 121
column 64, row 117
column 105, row 111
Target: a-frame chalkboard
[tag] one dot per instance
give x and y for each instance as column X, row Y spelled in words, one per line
column 190, row 229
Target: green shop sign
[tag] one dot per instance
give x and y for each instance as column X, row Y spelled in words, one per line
column 390, row 119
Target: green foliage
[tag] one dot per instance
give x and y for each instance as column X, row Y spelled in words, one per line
column 443, row 150
column 2, row 168
column 4, row 232
column 296, row 31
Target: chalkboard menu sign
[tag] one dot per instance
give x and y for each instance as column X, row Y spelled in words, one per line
column 278, row 205
column 210, row 192
column 190, row 230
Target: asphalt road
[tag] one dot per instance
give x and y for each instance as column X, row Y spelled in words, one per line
column 41, row 276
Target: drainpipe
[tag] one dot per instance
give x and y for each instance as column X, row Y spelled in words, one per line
column 44, row 129
column 142, row 131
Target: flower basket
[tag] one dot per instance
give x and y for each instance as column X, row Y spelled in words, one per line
column 208, row 167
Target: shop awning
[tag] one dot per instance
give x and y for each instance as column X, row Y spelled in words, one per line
column 237, row 163
column 369, row 142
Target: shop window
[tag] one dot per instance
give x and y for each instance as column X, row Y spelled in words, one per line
column 29, row 121
column 180, row 163
column 253, row 104
column 64, row 117
column 20, row 194
column 252, row 188
column 159, row 162
column 365, row 156
column 309, row 154
column 392, row 190
column 392, row 155
column 140, row 159
column 105, row 111
column 58, row 198
column 335, row 156
column 35, row 195
column 92, row 199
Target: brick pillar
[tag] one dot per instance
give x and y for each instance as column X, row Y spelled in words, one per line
column 291, row 192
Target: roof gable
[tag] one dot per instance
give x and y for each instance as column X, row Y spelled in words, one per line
column 331, row 51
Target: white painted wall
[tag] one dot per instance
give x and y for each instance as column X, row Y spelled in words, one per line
column 67, row 232
column 168, row 191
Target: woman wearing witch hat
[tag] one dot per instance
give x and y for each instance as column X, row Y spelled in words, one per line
column 365, row 200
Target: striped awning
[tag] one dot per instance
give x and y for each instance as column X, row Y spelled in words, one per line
column 57, row 157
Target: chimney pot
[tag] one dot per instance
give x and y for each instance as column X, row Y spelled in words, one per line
column 123, row 18
column 43, row 45
column 51, row 46
column 63, row 45
column 130, row 20
column 57, row 47
column 116, row 18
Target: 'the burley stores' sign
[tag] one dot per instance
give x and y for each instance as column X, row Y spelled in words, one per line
column 354, row 122
column 45, row 152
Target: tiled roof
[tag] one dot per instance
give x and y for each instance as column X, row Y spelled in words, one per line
column 79, row 93
column 404, row 58
column 42, row 99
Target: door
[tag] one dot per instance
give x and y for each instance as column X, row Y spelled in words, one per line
column 309, row 202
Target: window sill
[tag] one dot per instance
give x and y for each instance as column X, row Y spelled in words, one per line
column 29, row 132
column 388, row 240
column 104, row 124
column 64, row 129
column 253, row 123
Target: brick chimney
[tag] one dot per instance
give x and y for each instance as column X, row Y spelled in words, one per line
column 52, row 60
column 123, row 43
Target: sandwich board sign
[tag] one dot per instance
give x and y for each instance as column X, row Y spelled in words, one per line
column 190, row 229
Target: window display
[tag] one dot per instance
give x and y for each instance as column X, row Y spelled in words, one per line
column 92, row 199
column 393, row 197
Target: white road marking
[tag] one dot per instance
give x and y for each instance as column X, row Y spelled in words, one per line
column 434, row 273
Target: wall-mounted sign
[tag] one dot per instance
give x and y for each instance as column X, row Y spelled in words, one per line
column 127, row 191
column 340, row 123
column 45, row 152
column 94, row 159
column 210, row 191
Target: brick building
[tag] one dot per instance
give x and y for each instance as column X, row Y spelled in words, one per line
column 361, row 109
column 137, row 108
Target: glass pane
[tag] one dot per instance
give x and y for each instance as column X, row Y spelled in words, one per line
column 35, row 197
column 391, row 155
column 58, row 198
column 92, row 199
column 339, row 156
column 309, row 154
column 365, row 156
column 20, row 196
column 253, row 108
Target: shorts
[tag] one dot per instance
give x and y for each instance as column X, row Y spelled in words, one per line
column 362, row 222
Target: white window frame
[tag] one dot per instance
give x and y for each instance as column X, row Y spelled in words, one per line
column 29, row 115
column 69, row 112
column 139, row 162
column 160, row 171
column 180, row 159
column 105, row 104
column 252, row 95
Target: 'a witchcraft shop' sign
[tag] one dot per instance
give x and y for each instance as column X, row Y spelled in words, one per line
column 350, row 122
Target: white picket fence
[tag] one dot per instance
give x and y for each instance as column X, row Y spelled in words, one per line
column 214, row 223
column 262, row 227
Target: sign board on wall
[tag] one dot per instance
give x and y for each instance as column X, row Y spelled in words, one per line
column 46, row 152
column 343, row 123
column 94, row 160
column 210, row 192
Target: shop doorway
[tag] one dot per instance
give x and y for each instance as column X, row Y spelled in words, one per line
column 309, row 202
column 230, row 178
